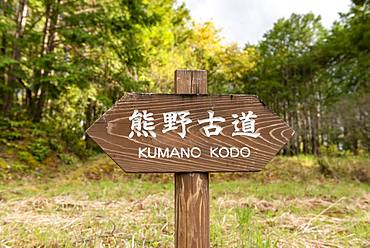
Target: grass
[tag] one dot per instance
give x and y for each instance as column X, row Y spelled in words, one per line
column 290, row 204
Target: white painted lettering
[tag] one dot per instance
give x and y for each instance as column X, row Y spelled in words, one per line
column 141, row 152
column 198, row 151
column 248, row 152
column 224, row 152
column 194, row 152
column 213, row 151
column 154, row 155
column 163, row 153
column 185, row 152
column 234, row 152
column 174, row 152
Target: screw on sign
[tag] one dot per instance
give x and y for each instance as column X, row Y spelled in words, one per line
column 190, row 134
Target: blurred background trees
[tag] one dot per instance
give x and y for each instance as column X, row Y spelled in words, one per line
column 63, row 63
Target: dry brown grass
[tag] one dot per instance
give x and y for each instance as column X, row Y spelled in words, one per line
column 307, row 211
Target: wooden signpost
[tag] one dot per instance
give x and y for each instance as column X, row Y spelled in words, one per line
column 191, row 134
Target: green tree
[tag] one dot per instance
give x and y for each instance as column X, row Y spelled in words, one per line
column 287, row 77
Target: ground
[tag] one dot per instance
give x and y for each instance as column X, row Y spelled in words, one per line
column 295, row 202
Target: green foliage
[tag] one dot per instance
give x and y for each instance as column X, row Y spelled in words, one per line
column 18, row 168
column 6, row 61
column 3, row 164
column 68, row 159
column 66, row 62
column 324, row 167
column 244, row 216
column 24, row 156
column 39, row 149
column 12, row 135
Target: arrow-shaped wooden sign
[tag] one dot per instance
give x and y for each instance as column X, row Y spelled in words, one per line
column 190, row 133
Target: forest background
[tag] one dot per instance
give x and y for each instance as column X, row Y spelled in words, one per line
column 63, row 63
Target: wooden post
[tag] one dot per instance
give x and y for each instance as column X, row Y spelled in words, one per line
column 191, row 189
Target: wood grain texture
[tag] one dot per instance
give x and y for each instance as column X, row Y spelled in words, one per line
column 191, row 189
column 192, row 210
column 191, row 82
column 112, row 129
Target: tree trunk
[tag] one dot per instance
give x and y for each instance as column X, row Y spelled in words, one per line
column 315, row 145
column 90, row 113
column 305, row 132
column 2, row 70
column 11, row 80
column 49, row 34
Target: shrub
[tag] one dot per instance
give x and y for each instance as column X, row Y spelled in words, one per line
column 68, row 159
column 39, row 149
